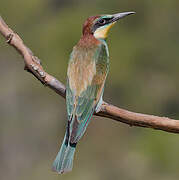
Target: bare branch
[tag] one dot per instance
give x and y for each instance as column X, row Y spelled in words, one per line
column 32, row 65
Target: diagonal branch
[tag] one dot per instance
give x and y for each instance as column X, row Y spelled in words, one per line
column 32, row 65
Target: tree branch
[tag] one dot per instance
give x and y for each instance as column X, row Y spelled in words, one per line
column 32, row 65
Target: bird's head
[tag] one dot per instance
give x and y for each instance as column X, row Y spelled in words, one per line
column 99, row 25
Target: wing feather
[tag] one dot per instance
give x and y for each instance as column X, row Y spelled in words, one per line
column 86, row 77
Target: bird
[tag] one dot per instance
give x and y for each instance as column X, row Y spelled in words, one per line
column 86, row 74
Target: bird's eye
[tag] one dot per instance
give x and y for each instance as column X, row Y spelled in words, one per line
column 102, row 21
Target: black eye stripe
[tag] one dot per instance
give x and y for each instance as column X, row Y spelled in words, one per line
column 101, row 22
column 104, row 21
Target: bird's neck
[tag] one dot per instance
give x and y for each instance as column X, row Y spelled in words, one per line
column 88, row 40
column 103, row 41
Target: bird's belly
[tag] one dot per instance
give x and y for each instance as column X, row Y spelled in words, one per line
column 81, row 74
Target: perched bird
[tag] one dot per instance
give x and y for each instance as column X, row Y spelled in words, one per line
column 87, row 70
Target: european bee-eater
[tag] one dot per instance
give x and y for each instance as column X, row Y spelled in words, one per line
column 87, row 70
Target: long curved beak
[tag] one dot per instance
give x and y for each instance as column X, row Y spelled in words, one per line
column 118, row 16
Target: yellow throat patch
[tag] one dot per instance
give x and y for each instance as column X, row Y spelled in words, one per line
column 102, row 32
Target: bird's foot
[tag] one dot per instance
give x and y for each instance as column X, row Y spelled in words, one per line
column 98, row 107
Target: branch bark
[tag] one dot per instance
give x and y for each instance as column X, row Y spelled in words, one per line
column 32, row 65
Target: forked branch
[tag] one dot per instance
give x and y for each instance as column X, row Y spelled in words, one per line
column 32, row 65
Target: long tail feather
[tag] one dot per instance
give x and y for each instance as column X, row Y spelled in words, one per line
column 64, row 159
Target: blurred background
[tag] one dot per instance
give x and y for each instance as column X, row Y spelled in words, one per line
column 143, row 77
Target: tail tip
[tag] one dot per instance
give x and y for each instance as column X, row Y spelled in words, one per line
column 61, row 171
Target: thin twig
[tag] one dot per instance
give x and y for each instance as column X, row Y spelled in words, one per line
column 32, row 65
